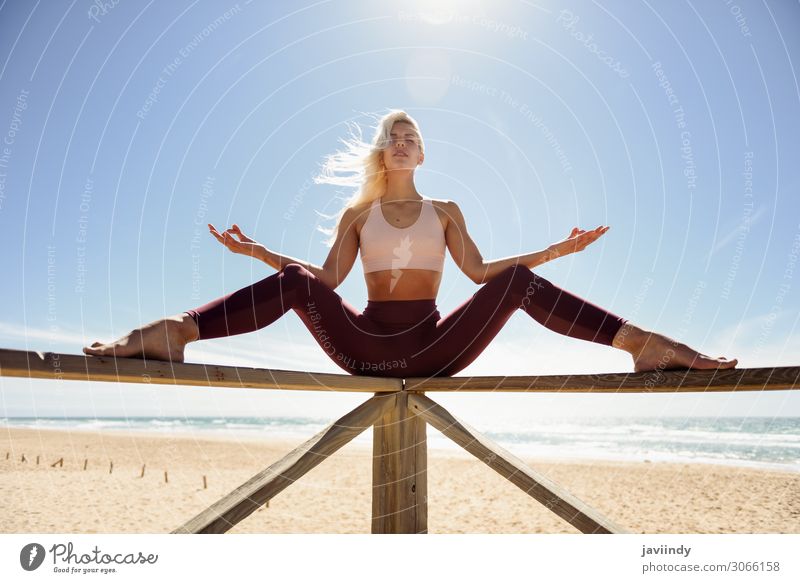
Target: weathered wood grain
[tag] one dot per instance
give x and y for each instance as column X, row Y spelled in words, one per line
column 400, row 472
column 50, row 365
column 668, row 381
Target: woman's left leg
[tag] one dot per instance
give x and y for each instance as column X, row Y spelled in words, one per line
column 461, row 336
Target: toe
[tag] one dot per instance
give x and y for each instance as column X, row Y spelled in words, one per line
column 96, row 344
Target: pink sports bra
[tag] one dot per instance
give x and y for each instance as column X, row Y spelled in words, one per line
column 420, row 246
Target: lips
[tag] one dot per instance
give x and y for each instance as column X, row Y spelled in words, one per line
column 401, row 154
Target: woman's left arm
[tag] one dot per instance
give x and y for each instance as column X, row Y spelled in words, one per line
column 466, row 255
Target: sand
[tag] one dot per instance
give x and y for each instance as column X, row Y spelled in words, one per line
column 464, row 495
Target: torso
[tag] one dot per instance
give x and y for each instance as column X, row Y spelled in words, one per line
column 413, row 284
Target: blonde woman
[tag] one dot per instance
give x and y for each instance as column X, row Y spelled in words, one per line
column 402, row 237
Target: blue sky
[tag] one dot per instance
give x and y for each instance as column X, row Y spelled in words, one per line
column 126, row 127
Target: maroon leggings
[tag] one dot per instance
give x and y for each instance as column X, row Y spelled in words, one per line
column 404, row 338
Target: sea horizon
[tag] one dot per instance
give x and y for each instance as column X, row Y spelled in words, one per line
column 768, row 443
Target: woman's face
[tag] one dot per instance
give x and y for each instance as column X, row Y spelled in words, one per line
column 402, row 152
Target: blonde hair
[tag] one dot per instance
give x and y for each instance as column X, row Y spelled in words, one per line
column 360, row 166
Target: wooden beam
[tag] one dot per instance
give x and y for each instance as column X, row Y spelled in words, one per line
column 669, row 381
column 54, row 366
column 400, row 472
column 49, row 365
column 539, row 486
column 257, row 491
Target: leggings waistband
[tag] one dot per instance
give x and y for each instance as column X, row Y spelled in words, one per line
column 402, row 311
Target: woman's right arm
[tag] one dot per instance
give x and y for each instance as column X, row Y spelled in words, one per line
column 340, row 259
column 244, row 245
column 279, row 261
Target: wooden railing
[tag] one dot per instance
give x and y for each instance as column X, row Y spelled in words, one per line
column 399, row 411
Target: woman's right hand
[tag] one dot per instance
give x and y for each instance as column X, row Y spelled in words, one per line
column 243, row 246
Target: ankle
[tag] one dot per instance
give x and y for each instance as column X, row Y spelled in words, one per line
column 630, row 338
column 189, row 330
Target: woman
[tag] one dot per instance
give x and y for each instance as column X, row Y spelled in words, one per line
column 402, row 237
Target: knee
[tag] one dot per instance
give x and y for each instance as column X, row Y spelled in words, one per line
column 294, row 276
column 518, row 274
column 522, row 281
column 295, row 271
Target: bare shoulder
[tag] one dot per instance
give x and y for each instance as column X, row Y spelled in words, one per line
column 448, row 210
column 356, row 215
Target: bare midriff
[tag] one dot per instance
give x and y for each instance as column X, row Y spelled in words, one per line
column 402, row 284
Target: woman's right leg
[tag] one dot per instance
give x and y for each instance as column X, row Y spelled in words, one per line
column 163, row 339
column 352, row 341
column 346, row 336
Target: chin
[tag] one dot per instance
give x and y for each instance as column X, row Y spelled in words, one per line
column 399, row 164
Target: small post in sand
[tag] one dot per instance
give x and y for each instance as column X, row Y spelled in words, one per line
column 59, row 462
column 205, row 483
column 166, row 478
column 110, row 467
column 142, row 474
column 85, row 463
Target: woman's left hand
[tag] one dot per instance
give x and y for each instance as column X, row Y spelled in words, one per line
column 578, row 240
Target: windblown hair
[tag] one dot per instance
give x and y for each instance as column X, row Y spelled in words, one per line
column 360, row 166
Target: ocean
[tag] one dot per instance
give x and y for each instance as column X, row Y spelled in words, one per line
column 757, row 442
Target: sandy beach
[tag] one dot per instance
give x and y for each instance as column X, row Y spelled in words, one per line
column 464, row 495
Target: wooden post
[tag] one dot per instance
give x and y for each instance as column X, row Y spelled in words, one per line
column 23, row 459
column 37, row 460
column 142, row 474
column 59, row 462
column 205, row 483
column 399, row 471
column 85, row 463
column 110, row 467
column 166, row 478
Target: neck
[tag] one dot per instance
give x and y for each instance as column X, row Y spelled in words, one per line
column 400, row 187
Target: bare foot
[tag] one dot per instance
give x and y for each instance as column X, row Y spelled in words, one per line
column 163, row 339
column 651, row 351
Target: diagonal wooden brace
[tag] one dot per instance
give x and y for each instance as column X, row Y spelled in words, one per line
column 537, row 485
column 247, row 498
